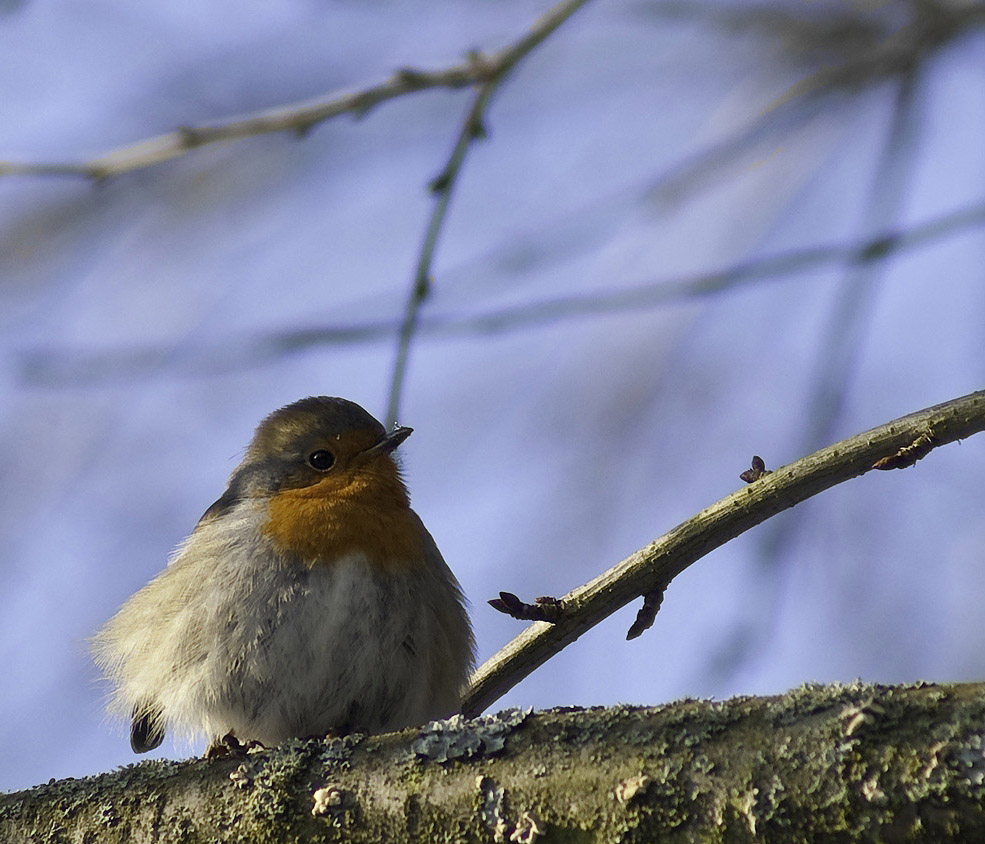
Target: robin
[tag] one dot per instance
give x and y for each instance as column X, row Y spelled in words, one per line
column 310, row 599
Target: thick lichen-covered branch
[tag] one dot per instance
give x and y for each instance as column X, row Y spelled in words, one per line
column 835, row 763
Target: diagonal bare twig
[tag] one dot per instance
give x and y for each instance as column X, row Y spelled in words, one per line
column 864, row 50
column 444, row 184
column 303, row 116
column 667, row 556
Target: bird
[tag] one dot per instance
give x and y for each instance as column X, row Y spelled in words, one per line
column 309, row 600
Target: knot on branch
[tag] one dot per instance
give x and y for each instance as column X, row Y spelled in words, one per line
column 905, row 457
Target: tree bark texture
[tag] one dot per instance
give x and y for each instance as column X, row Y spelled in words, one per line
column 821, row 763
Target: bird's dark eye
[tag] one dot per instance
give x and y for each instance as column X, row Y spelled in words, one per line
column 321, row 460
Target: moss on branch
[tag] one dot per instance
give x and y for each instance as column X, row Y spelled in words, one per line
column 834, row 763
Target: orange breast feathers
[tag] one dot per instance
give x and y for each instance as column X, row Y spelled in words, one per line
column 366, row 511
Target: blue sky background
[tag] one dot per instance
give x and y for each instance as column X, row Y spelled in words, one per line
column 135, row 314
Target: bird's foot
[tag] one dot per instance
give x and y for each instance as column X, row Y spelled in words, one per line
column 229, row 745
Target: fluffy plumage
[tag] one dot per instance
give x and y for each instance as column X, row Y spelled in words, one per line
column 305, row 601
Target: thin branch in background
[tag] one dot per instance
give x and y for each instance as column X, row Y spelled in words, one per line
column 442, row 186
column 654, row 294
column 932, row 25
column 856, row 48
column 686, row 176
column 851, row 312
column 54, row 367
column 839, row 351
column 850, row 46
column 663, row 559
column 472, row 129
column 301, row 117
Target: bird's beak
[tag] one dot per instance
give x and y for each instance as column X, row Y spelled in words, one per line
column 389, row 442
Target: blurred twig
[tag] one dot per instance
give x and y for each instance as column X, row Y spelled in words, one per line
column 444, row 183
column 302, row 117
column 838, row 353
column 847, row 50
column 852, row 308
column 666, row 557
column 72, row 366
column 844, row 45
